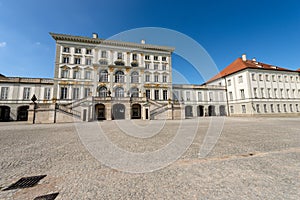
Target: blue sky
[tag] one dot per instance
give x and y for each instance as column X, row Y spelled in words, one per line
column 268, row 30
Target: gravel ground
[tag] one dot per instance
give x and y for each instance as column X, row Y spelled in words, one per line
column 254, row 158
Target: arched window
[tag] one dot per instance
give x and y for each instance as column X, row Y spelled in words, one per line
column 134, row 92
column 119, row 92
column 119, row 77
column 102, row 91
column 134, row 77
column 103, row 76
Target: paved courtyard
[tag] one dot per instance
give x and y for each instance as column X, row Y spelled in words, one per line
column 254, row 158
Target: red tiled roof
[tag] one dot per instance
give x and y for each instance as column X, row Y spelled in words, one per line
column 239, row 65
column 298, row 70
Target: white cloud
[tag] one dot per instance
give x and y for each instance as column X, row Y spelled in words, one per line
column 37, row 43
column 2, row 44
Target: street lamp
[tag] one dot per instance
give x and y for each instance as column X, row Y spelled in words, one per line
column 33, row 99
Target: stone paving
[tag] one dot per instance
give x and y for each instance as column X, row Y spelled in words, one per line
column 254, row 158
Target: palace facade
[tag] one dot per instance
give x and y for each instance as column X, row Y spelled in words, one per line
column 96, row 79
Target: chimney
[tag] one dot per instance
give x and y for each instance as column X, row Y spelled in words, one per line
column 143, row 42
column 95, row 35
column 244, row 57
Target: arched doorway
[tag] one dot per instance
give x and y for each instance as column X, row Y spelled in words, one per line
column 136, row 111
column 118, row 111
column 188, row 111
column 4, row 113
column 222, row 111
column 200, row 111
column 100, row 111
column 22, row 114
column 211, row 111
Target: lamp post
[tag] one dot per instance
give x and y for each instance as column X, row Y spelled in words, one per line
column 33, row 99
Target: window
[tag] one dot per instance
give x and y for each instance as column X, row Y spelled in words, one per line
column 87, row 92
column 119, row 77
column 147, row 57
column 4, row 93
column 229, row 82
column 103, row 62
column 103, row 76
column 76, row 74
column 77, row 50
column 275, row 93
column 221, row 94
column 64, row 73
column 210, row 96
column 164, row 79
column 147, row 65
column 242, row 94
column 267, row 77
column 75, row 93
column 147, row 78
column 255, row 92
column 88, row 61
column 199, row 96
column 155, row 57
column 260, row 77
column 119, row 92
column 104, row 54
column 63, row 93
column 257, row 108
column 262, row 92
column 230, row 96
column 164, row 58
column 240, row 79
column 120, row 55
column 165, row 95
column 231, row 109
column 88, row 51
column 164, row 67
column 269, row 93
column 134, row 56
column 265, row 108
column 87, row 74
column 188, row 95
column 66, row 50
column 156, row 94
column 278, row 108
column 77, row 61
column 102, row 92
column 134, row 77
column 155, row 66
column 155, row 78
column 291, row 107
column 26, row 93
column 243, row 109
column 273, row 78
column 65, row 60
column 47, row 93
column 148, row 94
column 253, row 77
column 284, row 107
column 175, row 95
column 134, row 92
column 272, row 108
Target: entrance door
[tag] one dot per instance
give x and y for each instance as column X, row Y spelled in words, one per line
column 136, row 111
column 4, row 113
column 118, row 111
column 22, row 113
column 211, row 111
column 200, row 111
column 222, row 111
column 188, row 111
column 100, row 111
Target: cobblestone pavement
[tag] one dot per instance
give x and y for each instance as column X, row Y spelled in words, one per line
column 254, row 158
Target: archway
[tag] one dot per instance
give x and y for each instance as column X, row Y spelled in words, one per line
column 200, row 111
column 118, row 111
column 188, row 111
column 100, row 111
column 136, row 111
column 4, row 113
column 22, row 113
column 211, row 111
column 222, row 110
